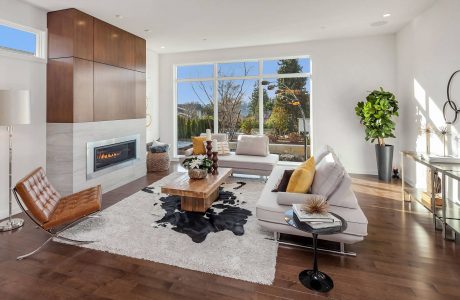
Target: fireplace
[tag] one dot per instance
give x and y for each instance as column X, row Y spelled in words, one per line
column 109, row 155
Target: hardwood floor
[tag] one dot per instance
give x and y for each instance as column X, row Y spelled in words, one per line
column 403, row 257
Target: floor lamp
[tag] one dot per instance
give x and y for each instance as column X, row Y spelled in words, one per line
column 14, row 110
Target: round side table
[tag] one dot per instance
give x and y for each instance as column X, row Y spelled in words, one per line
column 315, row 279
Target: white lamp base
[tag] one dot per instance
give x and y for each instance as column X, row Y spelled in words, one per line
column 8, row 225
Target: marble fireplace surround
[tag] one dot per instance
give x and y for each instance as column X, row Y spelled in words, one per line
column 66, row 154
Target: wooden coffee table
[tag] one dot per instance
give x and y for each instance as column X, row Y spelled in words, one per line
column 197, row 194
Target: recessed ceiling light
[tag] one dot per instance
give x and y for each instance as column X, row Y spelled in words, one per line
column 386, row 15
column 147, row 30
column 162, row 47
column 119, row 16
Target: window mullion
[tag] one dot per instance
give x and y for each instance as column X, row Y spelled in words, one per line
column 261, row 98
column 216, row 100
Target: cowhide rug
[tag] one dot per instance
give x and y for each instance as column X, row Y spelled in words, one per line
column 226, row 240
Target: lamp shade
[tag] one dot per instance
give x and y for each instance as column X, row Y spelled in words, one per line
column 14, row 107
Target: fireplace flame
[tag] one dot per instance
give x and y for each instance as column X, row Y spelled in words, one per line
column 108, row 155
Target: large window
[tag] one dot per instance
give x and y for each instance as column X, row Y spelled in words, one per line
column 20, row 40
column 269, row 97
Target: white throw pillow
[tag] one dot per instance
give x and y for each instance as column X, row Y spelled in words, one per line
column 328, row 176
column 343, row 196
column 222, row 148
column 256, row 145
column 323, row 151
column 220, row 137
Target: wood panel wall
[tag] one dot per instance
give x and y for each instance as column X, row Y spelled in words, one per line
column 95, row 71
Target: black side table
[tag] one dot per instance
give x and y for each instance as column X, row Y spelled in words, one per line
column 315, row 279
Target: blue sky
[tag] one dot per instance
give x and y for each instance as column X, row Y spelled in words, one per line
column 17, row 39
column 186, row 94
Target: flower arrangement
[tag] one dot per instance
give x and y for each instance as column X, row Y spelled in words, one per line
column 197, row 166
column 197, row 162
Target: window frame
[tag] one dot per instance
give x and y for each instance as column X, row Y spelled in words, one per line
column 40, row 43
column 215, row 79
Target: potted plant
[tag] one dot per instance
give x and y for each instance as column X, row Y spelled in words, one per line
column 376, row 115
column 197, row 166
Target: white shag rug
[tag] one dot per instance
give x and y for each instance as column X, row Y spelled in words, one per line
column 130, row 228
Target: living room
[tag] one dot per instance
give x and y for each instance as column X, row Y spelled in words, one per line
column 164, row 150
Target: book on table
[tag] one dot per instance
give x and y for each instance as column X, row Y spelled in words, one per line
column 316, row 221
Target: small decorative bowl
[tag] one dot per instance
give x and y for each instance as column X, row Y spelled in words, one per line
column 197, row 173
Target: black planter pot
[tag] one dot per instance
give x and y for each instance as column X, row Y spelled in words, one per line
column 384, row 156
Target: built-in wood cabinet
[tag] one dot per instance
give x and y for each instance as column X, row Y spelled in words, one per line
column 70, row 33
column 69, row 90
column 140, row 49
column 141, row 96
column 117, row 47
column 96, row 71
column 114, row 90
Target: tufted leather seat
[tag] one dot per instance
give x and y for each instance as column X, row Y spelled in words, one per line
column 47, row 206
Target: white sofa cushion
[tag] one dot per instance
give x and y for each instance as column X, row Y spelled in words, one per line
column 235, row 161
column 285, row 198
column 256, row 145
column 328, row 176
column 343, row 196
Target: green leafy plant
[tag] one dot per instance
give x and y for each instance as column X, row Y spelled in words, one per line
column 248, row 124
column 377, row 114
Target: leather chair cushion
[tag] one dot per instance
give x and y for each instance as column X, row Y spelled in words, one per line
column 38, row 195
column 75, row 206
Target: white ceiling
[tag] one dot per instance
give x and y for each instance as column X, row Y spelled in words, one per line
column 190, row 25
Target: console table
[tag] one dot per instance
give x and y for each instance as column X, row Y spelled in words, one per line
column 448, row 216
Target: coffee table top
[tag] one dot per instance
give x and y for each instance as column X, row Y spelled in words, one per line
column 198, row 188
column 294, row 222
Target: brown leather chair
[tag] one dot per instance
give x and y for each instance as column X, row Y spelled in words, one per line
column 49, row 210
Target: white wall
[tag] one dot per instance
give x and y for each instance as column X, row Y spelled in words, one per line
column 153, row 131
column 29, row 140
column 428, row 52
column 343, row 71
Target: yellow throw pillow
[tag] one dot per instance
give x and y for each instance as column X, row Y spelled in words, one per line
column 198, row 145
column 302, row 177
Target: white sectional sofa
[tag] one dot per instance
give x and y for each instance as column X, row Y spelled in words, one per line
column 249, row 164
column 270, row 213
column 243, row 164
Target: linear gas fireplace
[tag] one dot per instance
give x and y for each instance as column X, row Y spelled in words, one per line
column 109, row 155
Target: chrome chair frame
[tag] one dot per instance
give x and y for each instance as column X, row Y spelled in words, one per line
column 53, row 233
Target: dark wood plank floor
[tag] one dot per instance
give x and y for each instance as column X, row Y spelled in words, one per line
column 402, row 258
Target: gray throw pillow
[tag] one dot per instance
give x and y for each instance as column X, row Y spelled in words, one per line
column 159, row 147
column 328, row 176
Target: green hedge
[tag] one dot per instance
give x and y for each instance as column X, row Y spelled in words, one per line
column 188, row 127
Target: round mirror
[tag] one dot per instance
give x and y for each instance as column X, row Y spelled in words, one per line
column 450, row 109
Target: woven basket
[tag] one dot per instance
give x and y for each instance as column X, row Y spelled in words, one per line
column 157, row 162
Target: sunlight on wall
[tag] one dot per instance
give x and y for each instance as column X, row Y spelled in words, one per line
column 429, row 114
column 420, row 94
column 420, row 144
